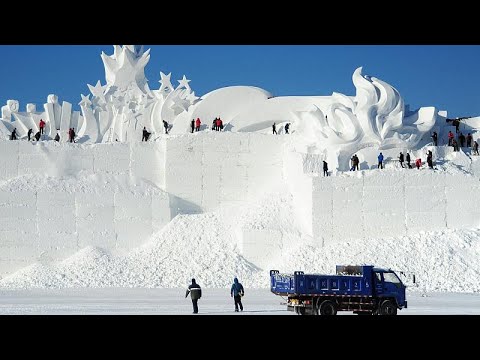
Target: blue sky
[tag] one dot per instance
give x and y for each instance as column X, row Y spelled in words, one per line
column 447, row 76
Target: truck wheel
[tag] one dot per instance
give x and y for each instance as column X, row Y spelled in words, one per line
column 327, row 307
column 388, row 308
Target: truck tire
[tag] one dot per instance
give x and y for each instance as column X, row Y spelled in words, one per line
column 326, row 307
column 387, row 307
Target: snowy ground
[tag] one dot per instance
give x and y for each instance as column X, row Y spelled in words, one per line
column 214, row 302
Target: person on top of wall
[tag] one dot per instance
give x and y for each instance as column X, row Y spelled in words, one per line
column 274, row 129
column 41, row 125
column 401, row 159
column 461, row 139
column 13, row 136
column 192, row 125
column 146, row 134
column 469, row 140
column 37, row 135
column 287, row 127
column 29, row 134
column 380, row 161
column 408, row 160
column 450, row 138
column 434, row 138
column 57, row 137
column 475, row 147
column 165, row 125
column 198, row 123
column 325, row 168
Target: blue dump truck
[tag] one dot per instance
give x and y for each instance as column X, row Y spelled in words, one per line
column 365, row 290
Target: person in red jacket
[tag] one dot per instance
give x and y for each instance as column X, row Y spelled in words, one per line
column 197, row 124
column 450, row 138
column 418, row 163
column 218, row 124
column 41, row 125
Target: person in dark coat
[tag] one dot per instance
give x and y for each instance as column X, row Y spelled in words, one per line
column 461, row 139
column 237, row 292
column 13, row 136
column 57, row 137
column 380, row 161
column 408, row 161
column 195, row 292
column 469, row 140
column 400, row 159
column 29, row 134
column 274, row 128
column 165, row 125
column 325, row 168
column 72, row 135
column 475, row 148
column 287, row 127
column 434, row 138
column 37, row 136
column 192, row 125
column 214, row 124
column 146, row 134
column 430, row 159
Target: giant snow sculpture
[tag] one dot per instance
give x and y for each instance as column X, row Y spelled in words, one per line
column 118, row 110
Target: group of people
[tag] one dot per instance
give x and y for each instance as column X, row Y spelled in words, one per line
column 195, row 125
column 40, row 132
column 236, row 292
column 274, row 128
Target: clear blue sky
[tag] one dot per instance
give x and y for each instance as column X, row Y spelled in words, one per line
column 446, row 76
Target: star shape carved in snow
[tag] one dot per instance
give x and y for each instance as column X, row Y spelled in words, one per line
column 85, row 101
column 184, row 82
column 98, row 90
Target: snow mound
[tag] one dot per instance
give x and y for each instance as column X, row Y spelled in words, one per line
column 202, row 246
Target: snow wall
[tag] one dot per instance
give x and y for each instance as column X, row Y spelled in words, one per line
column 194, row 173
column 379, row 204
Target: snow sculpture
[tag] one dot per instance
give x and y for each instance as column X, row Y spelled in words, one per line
column 11, row 107
column 375, row 116
column 31, row 108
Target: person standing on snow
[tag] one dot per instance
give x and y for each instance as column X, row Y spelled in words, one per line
column 198, row 123
column 274, row 128
column 195, row 292
column 41, row 125
column 29, row 134
column 408, row 161
column 380, row 161
column 325, row 168
column 400, row 159
column 237, row 292
column 287, row 127
column 192, row 125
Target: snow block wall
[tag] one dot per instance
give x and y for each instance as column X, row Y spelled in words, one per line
column 212, row 169
column 379, row 204
column 52, row 220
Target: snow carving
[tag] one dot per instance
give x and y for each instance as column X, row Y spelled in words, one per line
column 375, row 116
column 115, row 111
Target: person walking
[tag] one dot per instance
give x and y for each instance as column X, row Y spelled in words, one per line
column 325, row 168
column 236, row 291
column 380, row 161
column 195, row 292
column 274, row 128
column 13, row 136
column 400, row 159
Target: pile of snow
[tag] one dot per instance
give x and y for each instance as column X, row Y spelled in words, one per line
column 203, row 246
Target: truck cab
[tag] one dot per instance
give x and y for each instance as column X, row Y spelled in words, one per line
column 387, row 285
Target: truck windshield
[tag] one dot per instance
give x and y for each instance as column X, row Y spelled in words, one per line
column 392, row 278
